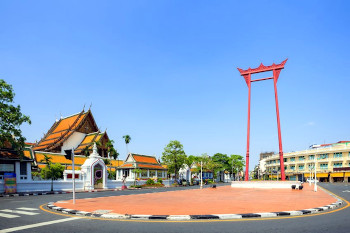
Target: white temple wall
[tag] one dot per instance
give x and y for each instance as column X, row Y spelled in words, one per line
column 73, row 141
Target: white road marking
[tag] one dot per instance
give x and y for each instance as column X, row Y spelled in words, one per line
column 18, row 212
column 26, row 208
column 37, row 225
column 8, row 216
column 346, row 191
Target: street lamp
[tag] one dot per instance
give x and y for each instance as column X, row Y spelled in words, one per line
column 315, row 186
column 201, row 174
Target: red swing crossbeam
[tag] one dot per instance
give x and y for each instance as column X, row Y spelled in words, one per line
column 276, row 69
column 261, row 79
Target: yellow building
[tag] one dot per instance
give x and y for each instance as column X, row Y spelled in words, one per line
column 332, row 163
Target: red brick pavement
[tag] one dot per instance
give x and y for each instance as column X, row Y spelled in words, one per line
column 222, row 200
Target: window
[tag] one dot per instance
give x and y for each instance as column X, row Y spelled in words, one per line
column 338, row 165
column 285, row 160
column 301, row 167
column 292, row 167
column 311, row 166
column 311, row 157
column 338, row 155
column 144, row 173
column 159, row 174
column 23, row 168
column 324, row 165
column 152, row 173
column 301, row 158
column 322, row 156
column 292, row 159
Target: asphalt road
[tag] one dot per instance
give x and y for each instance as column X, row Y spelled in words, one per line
column 338, row 221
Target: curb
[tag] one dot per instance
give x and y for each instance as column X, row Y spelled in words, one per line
column 197, row 217
column 55, row 192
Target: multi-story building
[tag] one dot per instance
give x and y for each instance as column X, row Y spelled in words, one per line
column 332, row 163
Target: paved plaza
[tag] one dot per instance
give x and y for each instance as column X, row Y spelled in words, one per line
column 221, row 200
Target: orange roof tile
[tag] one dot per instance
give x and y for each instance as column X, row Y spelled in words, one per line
column 88, row 138
column 145, row 159
column 55, row 158
column 65, row 123
column 27, row 154
column 127, row 165
column 151, row 166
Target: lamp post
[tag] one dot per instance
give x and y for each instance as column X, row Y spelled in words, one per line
column 201, row 174
column 315, row 186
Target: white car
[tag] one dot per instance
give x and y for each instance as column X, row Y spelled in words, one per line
column 311, row 180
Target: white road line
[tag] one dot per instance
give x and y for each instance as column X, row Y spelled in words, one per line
column 37, row 225
column 8, row 216
column 26, row 208
column 18, row 212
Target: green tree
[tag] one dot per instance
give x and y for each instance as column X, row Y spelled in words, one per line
column 51, row 171
column 237, row 163
column 174, row 157
column 11, row 119
column 127, row 139
column 137, row 172
column 209, row 164
column 86, row 151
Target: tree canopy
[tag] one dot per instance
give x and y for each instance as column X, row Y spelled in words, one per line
column 174, row 156
column 11, row 118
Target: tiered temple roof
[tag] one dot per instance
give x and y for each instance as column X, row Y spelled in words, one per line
column 62, row 129
column 134, row 161
column 79, row 131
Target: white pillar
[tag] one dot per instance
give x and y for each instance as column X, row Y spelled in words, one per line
column 148, row 173
column 29, row 171
column 18, row 171
column 157, row 174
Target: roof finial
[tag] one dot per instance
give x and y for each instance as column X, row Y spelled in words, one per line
column 83, row 108
column 94, row 149
column 90, row 106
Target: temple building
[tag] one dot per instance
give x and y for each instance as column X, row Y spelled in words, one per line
column 145, row 165
column 78, row 131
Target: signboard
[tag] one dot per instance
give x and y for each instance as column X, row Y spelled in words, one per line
column 10, row 182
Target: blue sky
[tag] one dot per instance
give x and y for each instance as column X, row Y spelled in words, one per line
column 166, row 70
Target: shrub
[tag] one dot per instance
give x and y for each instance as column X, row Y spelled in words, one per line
column 160, row 181
column 150, row 182
column 111, row 175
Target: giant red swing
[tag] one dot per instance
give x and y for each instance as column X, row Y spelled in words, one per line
column 276, row 69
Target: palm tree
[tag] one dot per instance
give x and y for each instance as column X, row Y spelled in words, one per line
column 127, row 139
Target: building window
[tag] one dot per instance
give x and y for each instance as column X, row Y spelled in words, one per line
column 311, row 166
column 338, row 155
column 292, row 167
column 160, row 174
column 292, row 159
column 311, row 157
column 301, row 158
column 324, row 165
column 338, row 165
column 152, row 173
column 322, row 156
column 144, row 173
column 23, row 168
column 285, row 160
column 301, row 167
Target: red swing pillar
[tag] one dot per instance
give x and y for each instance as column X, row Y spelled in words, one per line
column 276, row 69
